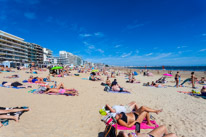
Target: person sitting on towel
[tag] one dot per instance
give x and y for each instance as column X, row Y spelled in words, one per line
column 108, row 82
column 115, row 87
column 203, row 91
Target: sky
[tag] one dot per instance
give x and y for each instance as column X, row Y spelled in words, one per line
column 114, row 32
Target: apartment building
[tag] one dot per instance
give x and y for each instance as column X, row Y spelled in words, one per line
column 15, row 49
column 68, row 58
column 47, row 56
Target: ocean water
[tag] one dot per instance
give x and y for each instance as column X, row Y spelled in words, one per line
column 182, row 68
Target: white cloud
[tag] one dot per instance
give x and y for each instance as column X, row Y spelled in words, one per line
column 204, row 34
column 91, row 47
column 126, row 54
column 202, row 50
column 149, row 54
column 99, row 34
column 30, row 15
column 117, row 46
column 85, row 35
column 100, row 50
column 137, row 51
column 179, row 47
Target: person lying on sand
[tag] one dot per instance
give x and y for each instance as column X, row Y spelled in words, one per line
column 130, row 119
column 122, row 108
column 3, row 114
column 61, row 89
column 132, row 106
column 13, row 76
column 157, row 85
column 160, row 131
column 203, row 91
column 115, row 87
column 15, row 84
column 36, row 80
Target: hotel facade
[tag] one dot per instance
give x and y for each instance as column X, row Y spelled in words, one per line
column 15, row 49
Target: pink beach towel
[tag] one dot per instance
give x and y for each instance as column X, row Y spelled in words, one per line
column 143, row 125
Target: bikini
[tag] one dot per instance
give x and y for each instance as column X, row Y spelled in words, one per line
column 135, row 135
column 124, row 117
column 62, row 91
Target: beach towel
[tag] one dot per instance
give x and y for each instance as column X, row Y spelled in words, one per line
column 85, row 79
column 143, row 125
column 123, row 92
column 192, row 94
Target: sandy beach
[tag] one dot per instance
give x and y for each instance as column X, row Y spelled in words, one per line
column 78, row 116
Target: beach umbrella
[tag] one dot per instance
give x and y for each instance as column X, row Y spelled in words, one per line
column 57, row 67
column 166, row 74
column 95, row 70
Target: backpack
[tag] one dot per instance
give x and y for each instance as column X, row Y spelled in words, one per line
column 107, row 88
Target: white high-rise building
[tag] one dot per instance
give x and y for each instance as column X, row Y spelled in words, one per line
column 68, row 58
column 47, row 56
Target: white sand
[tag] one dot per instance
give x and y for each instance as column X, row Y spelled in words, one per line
column 77, row 116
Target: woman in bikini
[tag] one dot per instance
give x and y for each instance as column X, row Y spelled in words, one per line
column 160, row 131
column 177, row 77
column 62, row 90
column 130, row 119
column 193, row 78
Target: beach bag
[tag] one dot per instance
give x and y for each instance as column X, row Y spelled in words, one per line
column 107, row 88
column 110, row 131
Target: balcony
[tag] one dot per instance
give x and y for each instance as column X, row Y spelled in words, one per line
column 11, row 46
column 12, row 42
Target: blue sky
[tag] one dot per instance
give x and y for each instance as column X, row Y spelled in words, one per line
column 115, row 32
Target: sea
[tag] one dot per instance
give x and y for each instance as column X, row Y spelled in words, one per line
column 175, row 68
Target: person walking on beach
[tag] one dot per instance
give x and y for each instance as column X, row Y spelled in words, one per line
column 193, row 79
column 177, row 78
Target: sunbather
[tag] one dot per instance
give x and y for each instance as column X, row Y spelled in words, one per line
column 36, row 80
column 62, row 90
column 122, row 108
column 108, row 82
column 160, row 131
column 4, row 112
column 130, row 119
column 115, row 87
column 13, row 76
column 14, row 84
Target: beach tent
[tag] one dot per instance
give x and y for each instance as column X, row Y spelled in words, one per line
column 135, row 73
